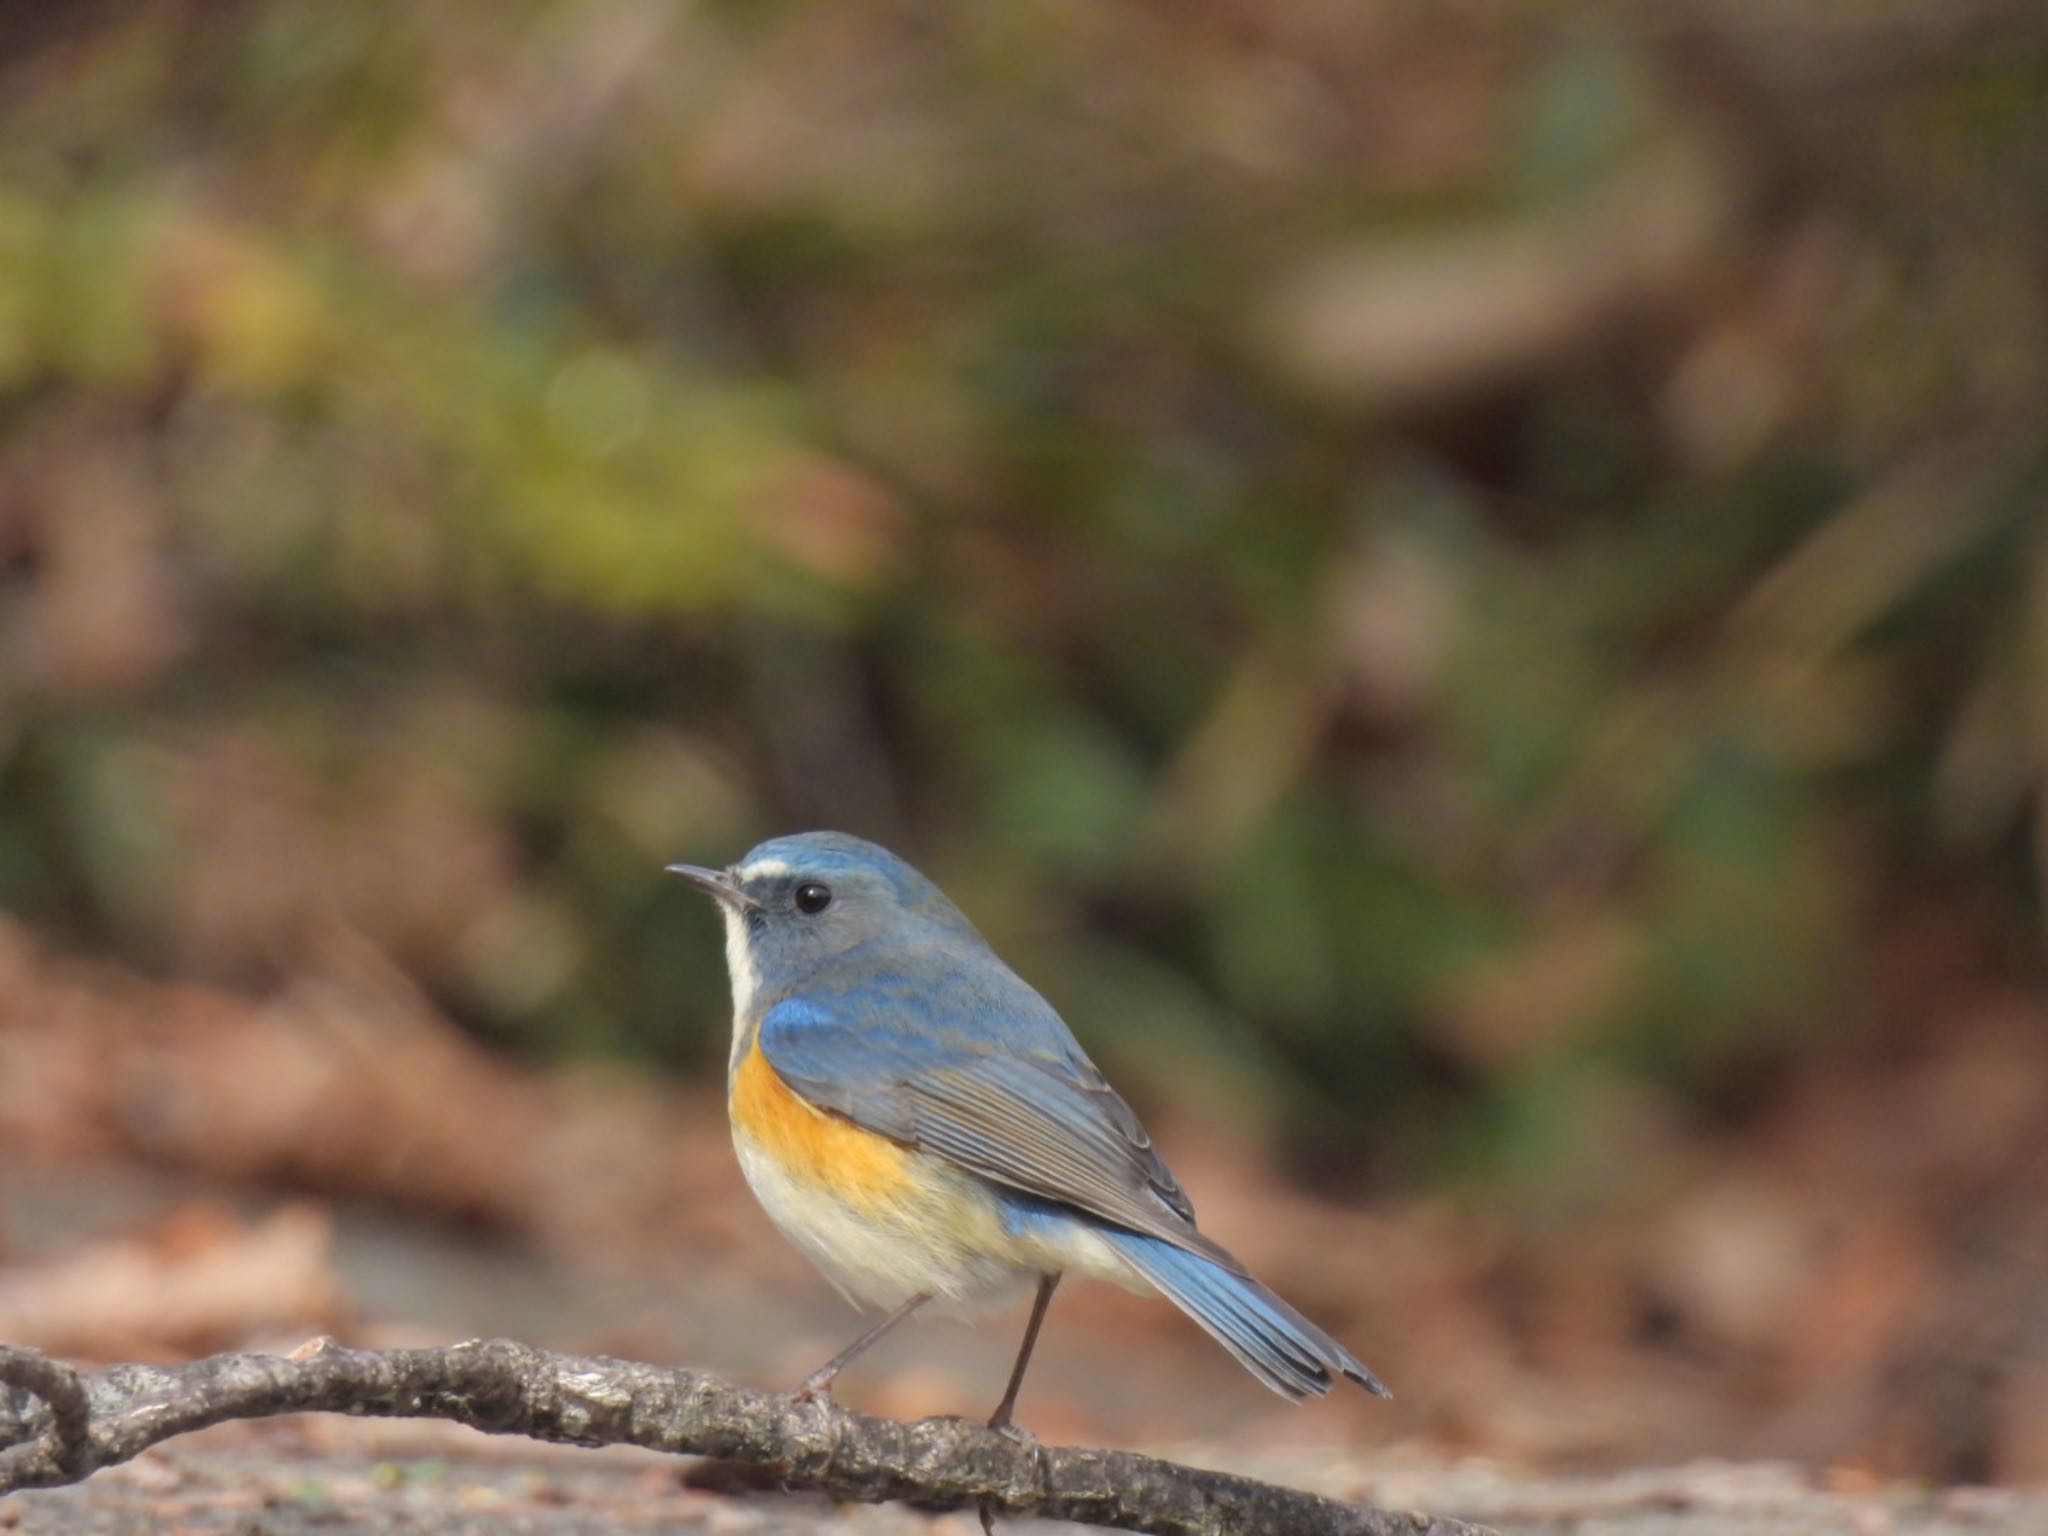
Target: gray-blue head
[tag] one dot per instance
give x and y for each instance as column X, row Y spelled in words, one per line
column 801, row 907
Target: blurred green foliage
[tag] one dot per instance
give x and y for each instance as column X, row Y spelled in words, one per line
column 1428, row 573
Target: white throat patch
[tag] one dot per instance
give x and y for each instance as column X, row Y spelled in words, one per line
column 746, row 978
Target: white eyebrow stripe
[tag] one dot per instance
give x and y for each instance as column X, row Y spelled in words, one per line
column 761, row 868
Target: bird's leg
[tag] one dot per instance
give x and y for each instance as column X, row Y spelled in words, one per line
column 819, row 1383
column 1000, row 1419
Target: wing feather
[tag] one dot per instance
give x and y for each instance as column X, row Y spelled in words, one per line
column 1041, row 1122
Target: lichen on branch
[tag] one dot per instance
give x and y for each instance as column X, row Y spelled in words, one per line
column 58, row 1425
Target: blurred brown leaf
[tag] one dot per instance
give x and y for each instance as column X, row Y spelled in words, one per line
column 196, row 1281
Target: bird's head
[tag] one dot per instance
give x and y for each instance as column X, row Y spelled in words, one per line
column 799, row 908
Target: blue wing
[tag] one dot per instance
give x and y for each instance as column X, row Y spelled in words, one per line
column 1018, row 1104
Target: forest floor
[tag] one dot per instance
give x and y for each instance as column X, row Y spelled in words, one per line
column 320, row 1477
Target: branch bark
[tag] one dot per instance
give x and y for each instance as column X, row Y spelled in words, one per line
column 59, row 1425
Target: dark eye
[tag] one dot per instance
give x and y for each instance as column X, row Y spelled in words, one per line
column 813, row 898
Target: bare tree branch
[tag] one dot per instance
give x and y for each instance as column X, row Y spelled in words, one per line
column 65, row 1446
column 79, row 1422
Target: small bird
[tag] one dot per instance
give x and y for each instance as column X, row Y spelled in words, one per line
column 923, row 1125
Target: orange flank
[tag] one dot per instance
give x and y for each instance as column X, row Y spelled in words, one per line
column 811, row 1145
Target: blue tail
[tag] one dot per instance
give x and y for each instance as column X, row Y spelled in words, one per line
column 1274, row 1342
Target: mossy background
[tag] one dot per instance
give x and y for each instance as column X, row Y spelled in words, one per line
column 1442, row 577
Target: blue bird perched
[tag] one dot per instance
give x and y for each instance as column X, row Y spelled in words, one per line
column 923, row 1125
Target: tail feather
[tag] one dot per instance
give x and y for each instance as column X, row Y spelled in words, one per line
column 1270, row 1339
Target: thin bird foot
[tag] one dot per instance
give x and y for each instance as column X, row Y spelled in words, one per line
column 1001, row 1422
column 816, row 1388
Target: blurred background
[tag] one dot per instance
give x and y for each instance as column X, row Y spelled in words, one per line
column 1462, row 584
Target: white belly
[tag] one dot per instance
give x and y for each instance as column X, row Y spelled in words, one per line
column 946, row 1238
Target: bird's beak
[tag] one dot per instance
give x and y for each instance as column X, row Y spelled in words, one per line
column 716, row 882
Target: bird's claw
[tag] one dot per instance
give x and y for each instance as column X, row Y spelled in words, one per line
column 1016, row 1434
